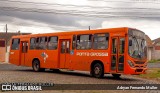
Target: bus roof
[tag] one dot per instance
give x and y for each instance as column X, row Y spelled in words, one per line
column 75, row 32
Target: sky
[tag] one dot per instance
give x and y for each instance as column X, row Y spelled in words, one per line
column 46, row 16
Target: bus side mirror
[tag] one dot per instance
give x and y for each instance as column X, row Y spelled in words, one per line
column 130, row 42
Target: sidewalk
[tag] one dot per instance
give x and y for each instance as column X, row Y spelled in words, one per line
column 4, row 63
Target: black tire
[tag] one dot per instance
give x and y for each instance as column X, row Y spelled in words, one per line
column 98, row 70
column 117, row 76
column 55, row 70
column 91, row 73
column 36, row 66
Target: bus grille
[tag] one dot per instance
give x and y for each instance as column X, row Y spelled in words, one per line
column 139, row 70
column 138, row 62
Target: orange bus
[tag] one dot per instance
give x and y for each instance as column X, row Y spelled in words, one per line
column 113, row 51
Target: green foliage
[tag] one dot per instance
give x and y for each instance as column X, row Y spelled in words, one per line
column 154, row 61
column 152, row 73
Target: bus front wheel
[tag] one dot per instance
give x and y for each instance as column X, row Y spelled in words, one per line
column 36, row 66
column 98, row 70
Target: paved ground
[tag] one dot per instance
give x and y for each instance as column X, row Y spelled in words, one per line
column 12, row 73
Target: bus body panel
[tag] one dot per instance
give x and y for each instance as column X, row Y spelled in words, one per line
column 74, row 59
column 14, row 57
column 82, row 59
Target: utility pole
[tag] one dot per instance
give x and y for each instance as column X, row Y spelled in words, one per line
column 6, row 37
column 89, row 28
column 19, row 32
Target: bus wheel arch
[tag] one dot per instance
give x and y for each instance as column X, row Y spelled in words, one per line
column 97, row 69
column 36, row 65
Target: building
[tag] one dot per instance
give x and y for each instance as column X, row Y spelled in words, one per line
column 156, row 49
column 153, row 48
column 2, row 50
column 5, row 40
column 149, row 47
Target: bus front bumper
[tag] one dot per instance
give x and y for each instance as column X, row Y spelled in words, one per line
column 136, row 71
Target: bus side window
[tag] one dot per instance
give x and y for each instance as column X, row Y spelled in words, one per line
column 32, row 43
column 24, row 47
column 100, row 41
column 68, row 47
column 122, row 45
column 37, row 43
column 52, row 43
column 15, row 44
column 43, row 43
column 63, row 47
column 74, row 42
column 84, row 42
column 114, row 46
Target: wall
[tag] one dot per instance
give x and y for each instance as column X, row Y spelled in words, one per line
column 2, row 54
column 7, row 54
column 155, row 54
column 149, row 54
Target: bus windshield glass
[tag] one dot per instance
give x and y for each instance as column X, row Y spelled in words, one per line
column 137, row 44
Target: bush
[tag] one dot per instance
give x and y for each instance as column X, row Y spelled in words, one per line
column 158, row 60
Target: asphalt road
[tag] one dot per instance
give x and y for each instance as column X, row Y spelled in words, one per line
column 12, row 73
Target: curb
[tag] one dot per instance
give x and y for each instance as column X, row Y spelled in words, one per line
column 4, row 63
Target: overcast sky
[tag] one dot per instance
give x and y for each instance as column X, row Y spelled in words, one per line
column 44, row 16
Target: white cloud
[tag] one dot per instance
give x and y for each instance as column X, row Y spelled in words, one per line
column 43, row 22
column 26, row 26
column 35, row 30
column 151, row 28
column 84, row 22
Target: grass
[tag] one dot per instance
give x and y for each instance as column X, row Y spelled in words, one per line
column 152, row 73
column 154, row 61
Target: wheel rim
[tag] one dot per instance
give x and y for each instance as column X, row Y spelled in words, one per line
column 97, row 70
column 36, row 66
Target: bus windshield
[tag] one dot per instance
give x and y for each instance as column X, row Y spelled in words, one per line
column 137, row 46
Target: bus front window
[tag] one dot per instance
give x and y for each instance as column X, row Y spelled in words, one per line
column 137, row 47
column 144, row 48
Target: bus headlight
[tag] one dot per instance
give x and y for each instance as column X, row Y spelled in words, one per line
column 130, row 63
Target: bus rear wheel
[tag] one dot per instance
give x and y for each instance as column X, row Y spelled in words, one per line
column 98, row 70
column 36, row 66
column 116, row 75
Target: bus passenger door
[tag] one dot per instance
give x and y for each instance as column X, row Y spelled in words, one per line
column 15, row 53
column 114, row 48
column 121, row 55
column 64, row 53
column 24, row 50
column 117, row 54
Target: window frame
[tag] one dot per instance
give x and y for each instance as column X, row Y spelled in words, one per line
column 91, row 41
column 18, row 44
column 34, row 43
column 105, row 36
column 24, row 49
column 74, row 37
column 120, row 45
column 52, row 42
column 45, row 42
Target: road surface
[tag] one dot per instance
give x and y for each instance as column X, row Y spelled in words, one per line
column 12, row 73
